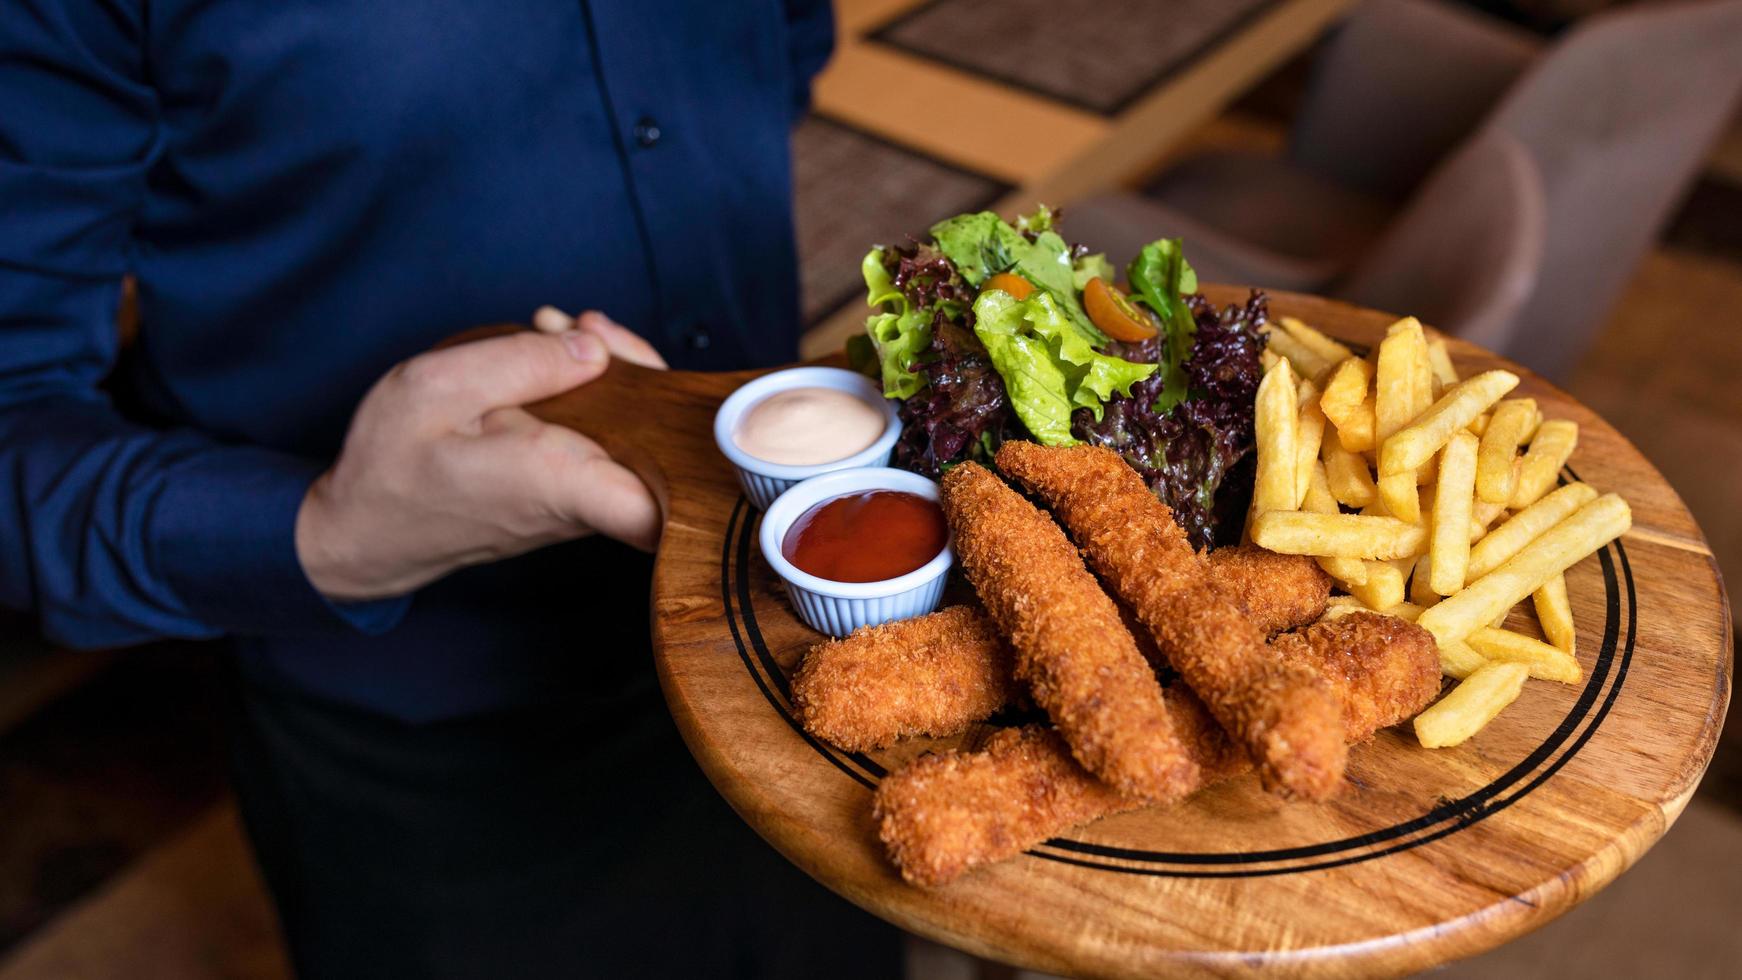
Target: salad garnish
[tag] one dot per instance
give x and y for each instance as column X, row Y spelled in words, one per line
column 991, row 331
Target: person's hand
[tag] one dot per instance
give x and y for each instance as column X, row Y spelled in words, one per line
column 442, row 468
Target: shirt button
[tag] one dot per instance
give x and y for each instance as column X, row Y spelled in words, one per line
column 698, row 338
column 647, row 131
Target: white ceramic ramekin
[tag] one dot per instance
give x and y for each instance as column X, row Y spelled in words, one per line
column 763, row 481
column 839, row 608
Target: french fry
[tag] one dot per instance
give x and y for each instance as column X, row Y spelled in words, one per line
column 1484, row 513
column 1337, row 535
column 1309, row 434
column 1523, row 527
column 1496, row 477
column 1328, row 350
column 1440, row 360
column 1591, row 527
column 1545, row 662
column 1274, row 419
column 1348, row 404
column 1453, row 497
column 1555, row 612
column 1342, row 605
column 1402, row 367
column 1417, row 442
column 1397, row 492
column 1420, row 581
column 1530, row 433
column 1427, row 514
column 1479, row 424
column 1549, row 450
column 1268, row 359
column 1456, row 659
column 1428, row 473
column 1351, row 483
column 1402, row 388
column 1424, row 383
column 1383, row 589
column 1470, row 706
column 1318, row 500
column 1307, row 363
column 1350, row 573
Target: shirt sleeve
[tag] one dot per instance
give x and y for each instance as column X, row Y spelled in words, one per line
column 811, row 39
column 115, row 532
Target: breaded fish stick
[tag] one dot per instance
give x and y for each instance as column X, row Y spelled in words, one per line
column 1283, row 716
column 1277, row 592
column 945, row 814
column 1077, row 659
column 934, row 675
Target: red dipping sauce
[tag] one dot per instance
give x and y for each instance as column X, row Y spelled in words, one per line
column 866, row 537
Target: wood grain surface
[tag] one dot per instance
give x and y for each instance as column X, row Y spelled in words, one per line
column 1426, row 856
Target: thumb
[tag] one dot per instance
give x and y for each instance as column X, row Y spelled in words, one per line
column 620, row 340
column 469, row 380
column 572, row 476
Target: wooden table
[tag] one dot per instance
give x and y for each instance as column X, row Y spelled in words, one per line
column 1425, row 857
column 1045, row 149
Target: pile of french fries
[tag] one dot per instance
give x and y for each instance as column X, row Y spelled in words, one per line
column 1409, row 487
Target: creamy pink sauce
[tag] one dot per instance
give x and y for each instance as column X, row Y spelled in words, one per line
column 808, row 426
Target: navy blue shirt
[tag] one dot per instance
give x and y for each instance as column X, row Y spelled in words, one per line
column 308, row 191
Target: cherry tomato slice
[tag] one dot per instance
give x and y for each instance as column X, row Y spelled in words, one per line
column 1115, row 314
column 1011, row 283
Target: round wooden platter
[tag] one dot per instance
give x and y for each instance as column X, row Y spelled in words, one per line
column 1426, row 855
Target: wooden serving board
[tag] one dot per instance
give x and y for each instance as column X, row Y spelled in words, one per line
column 1425, row 857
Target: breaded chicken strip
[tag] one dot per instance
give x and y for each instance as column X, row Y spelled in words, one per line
column 1382, row 668
column 939, row 673
column 1277, row 592
column 1077, row 659
column 1283, row 716
column 945, row 814
column 934, row 675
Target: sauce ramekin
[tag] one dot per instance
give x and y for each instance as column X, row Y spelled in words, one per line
column 839, row 608
column 763, row 481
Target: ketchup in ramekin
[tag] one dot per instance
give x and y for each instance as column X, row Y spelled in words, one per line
column 871, row 536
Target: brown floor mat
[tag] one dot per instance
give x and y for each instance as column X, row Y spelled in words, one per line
column 853, row 191
column 1098, row 55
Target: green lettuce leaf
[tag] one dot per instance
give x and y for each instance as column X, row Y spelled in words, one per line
column 880, row 288
column 1160, row 275
column 898, row 334
column 983, row 245
column 1041, row 220
column 980, row 244
column 1048, row 363
column 1089, row 267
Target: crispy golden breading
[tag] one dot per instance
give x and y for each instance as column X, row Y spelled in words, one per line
column 946, row 814
column 1284, row 717
column 939, row 673
column 1277, row 592
column 934, row 675
column 1077, row 659
column 942, row 814
column 1384, row 669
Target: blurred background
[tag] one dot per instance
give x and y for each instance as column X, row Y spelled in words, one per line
column 1560, row 180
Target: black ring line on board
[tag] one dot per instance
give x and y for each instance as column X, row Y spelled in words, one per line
column 1455, row 814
